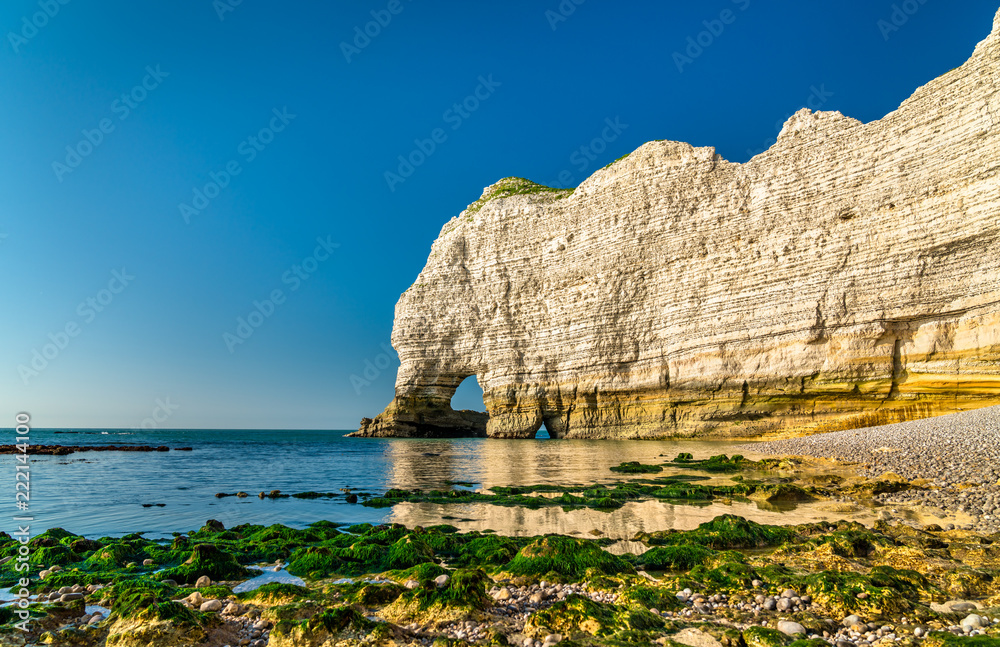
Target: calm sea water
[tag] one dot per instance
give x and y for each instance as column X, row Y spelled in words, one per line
column 103, row 493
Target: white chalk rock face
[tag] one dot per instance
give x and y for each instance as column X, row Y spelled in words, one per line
column 848, row 276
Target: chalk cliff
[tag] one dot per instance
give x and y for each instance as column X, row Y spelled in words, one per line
column 850, row 275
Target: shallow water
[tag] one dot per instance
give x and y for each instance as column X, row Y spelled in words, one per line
column 267, row 576
column 103, row 493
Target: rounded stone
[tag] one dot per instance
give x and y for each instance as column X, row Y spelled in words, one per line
column 790, row 628
column 972, row 621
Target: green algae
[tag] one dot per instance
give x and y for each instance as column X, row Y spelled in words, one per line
column 945, row 639
column 634, row 467
column 117, row 554
column 372, row 595
column 780, row 493
column 147, row 599
column 654, row 597
column 834, row 563
column 408, row 552
column 723, row 532
column 420, row 573
column 854, row 541
column 565, row 558
column 884, row 590
column 720, row 463
column 328, row 622
column 578, row 615
column 679, row 489
column 272, row 592
column 377, row 549
column 209, row 560
column 764, row 637
column 293, row 612
column 465, row 588
column 682, row 557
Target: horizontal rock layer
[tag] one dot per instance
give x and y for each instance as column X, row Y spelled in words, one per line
column 848, row 276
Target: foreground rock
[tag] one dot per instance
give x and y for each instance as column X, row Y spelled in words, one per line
column 846, row 277
column 728, row 583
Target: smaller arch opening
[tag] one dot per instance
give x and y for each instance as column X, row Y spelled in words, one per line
column 542, row 433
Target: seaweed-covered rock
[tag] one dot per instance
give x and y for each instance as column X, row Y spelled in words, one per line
column 780, row 493
column 206, row 559
column 565, row 558
column 684, row 557
column 723, row 532
column 463, row 595
column 653, row 597
column 143, row 614
column 274, row 593
column 884, row 591
column 324, row 628
column 293, row 612
column 764, row 637
column 945, row 639
column 634, row 467
column 578, row 615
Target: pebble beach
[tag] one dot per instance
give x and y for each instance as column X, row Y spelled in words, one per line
column 958, row 455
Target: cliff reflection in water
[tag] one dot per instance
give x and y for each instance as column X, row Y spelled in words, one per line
column 485, row 463
column 622, row 523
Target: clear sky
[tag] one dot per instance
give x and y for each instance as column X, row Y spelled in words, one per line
column 275, row 124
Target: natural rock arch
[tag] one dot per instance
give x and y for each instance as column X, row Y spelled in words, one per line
column 850, row 275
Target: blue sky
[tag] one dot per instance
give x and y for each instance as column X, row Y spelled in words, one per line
column 275, row 125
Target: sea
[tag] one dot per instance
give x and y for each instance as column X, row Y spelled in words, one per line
column 113, row 493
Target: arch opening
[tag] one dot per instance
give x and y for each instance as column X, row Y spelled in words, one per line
column 468, row 396
column 542, row 433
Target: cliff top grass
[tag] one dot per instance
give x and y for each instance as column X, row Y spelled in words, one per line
column 510, row 186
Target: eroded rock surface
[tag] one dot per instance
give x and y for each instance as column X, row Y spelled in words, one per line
column 849, row 276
